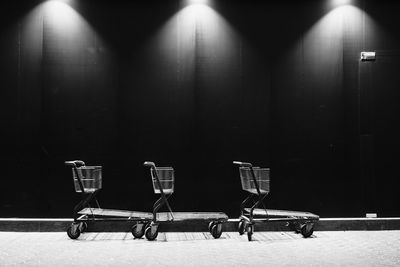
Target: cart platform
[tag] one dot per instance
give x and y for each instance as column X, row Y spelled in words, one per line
column 116, row 213
column 191, row 216
column 283, row 213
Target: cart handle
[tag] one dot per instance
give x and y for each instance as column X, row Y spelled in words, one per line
column 243, row 164
column 149, row 164
column 74, row 163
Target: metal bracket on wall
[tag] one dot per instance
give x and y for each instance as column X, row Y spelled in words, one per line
column 368, row 56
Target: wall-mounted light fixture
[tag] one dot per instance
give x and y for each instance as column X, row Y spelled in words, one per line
column 368, row 56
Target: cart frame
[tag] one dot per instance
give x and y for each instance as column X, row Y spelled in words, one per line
column 83, row 213
column 300, row 222
column 215, row 220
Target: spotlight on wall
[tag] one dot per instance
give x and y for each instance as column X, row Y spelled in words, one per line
column 196, row 2
column 337, row 3
column 60, row 12
column 368, row 56
column 197, row 10
column 62, row 1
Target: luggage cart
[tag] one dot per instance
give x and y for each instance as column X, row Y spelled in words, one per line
column 256, row 181
column 163, row 184
column 88, row 182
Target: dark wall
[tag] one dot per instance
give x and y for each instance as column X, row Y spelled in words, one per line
column 278, row 84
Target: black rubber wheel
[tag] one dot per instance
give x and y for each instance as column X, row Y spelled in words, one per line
column 241, row 227
column 210, row 225
column 307, row 230
column 250, row 230
column 149, row 235
column 73, row 231
column 216, row 230
column 138, row 230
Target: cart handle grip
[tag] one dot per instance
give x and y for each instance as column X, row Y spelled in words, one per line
column 149, row 164
column 243, row 164
column 74, row 163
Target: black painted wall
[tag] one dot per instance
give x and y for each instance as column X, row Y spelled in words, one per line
column 275, row 83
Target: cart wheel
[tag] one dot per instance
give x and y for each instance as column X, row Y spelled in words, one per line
column 83, row 227
column 216, row 230
column 210, row 225
column 307, row 229
column 73, row 231
column 138, row 230
column 151, row 232
column 250, row 230
column 241, row 227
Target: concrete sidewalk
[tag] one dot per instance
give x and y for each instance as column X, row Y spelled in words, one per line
column 338, row 248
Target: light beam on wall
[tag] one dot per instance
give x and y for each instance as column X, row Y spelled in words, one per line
column 324, row 44
column 337, row 3
column 69, row 35
column 196, row 2
column 198, row 41
column 66, row 42
column 61, row 16
column 198, row 12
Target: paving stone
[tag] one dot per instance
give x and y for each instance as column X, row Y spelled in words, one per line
column 338, row 248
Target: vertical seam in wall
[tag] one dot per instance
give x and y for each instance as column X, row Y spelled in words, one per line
column 178, row 50
column 360, row 174
column 40, row 122
column 19, row 85
column 363, row 24
column 303, row 86
column 359, row 67
column 241, row 71
column 343, row 68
